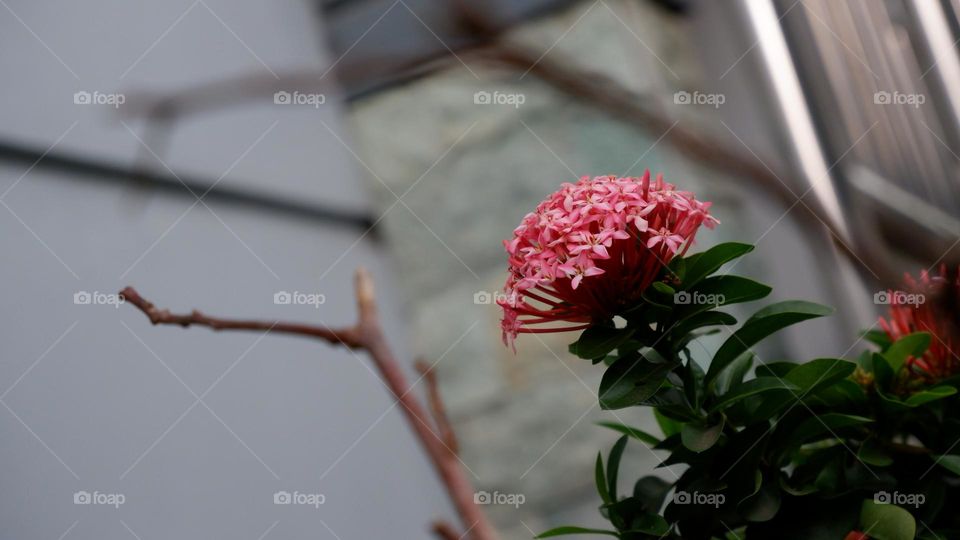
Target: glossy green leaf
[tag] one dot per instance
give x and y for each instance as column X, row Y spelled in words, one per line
column 763, row 323
column 663, row 288
column 933, row 394
column 910, row 345
column 693, row 383
column 753, row 387
column 700, row 320
column 598, row 341
column 950, row 462
column 762, row 505
column 733, row 375
column 668, row 426
column 651, row 524
column 709, row 261
column 699, row 438
column 630, row 381
column 630, row 431
column 613, row 466
column 775, row 369
column 601, row 480
column 825, row 424
column 718, row 291
column 874, row 454
column 820, row 373
column 887, row 521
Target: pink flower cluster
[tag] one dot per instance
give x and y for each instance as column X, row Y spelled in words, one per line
column 592, row 248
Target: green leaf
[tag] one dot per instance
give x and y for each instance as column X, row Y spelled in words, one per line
column 762, row 505
column 597, row 341
column 887, row 521
column 651, row 524
column 561, row 531
column 818, row 426
column 910, row 345
column 601, row 480
column 718, row 291
column 651, row 492
column 692, row 383
column 699, row 320
column 711, row 260
column 613, row 465
column 663, row 288
column 753, row 387
column 872, row 453
column 932, row 394
column 733, row 375
column 949, row 462
column 630, row 381
column 637, row 434
column 763, row 323
column 878, row 338
column 775, row 369
column 668, row 426
column 820, row 373
column 698, row 437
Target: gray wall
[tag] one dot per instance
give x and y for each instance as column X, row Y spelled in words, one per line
column 94, row 399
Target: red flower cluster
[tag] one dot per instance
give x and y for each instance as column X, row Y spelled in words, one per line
column 927, row 308
column 623, row 229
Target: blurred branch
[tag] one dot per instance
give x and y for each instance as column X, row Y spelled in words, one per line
column 437, row 407
column 445, row 531
column 367, row 335
column 562, row 73
column 623, row 104
column 347, row 337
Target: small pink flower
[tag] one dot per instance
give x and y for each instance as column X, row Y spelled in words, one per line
column 624, row 229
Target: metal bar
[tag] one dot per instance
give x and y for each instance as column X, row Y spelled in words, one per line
column 101, row 171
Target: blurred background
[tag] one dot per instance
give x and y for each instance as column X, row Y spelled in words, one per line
column 244, row 158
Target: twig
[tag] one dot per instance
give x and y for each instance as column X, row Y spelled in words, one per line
column 347, row 337
column 445, row 531
column 366, row 335
column 436, row 406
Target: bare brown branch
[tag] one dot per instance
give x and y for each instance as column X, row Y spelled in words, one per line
column 445, row 531
column 367, row 335
column 347, row 336
column 437, row 407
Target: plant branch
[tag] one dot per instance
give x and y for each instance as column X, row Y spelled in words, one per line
column 437, row 408
column 445, row 531
column 367, row 335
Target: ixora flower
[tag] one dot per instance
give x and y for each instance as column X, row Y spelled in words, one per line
column 929, row 304
column 592, row 248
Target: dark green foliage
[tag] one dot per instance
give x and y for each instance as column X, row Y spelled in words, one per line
column 780, row 450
